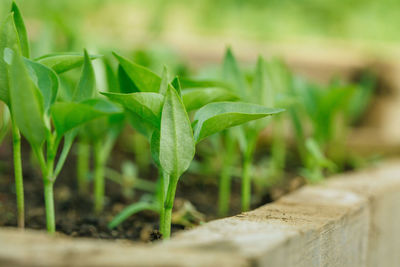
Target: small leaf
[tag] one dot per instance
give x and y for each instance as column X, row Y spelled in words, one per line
column 155, row 147
column 177, row 145
column 177, row 86
column 22, row 34
column 26, row 102
column 188, row 83
column 45, row 79
column 86, row 85
column 62, row 62
column 111, row 77
column 216, row 117
column 262, row 88
column 68, row 115
column 8, row 39
column 198, row 97
column 164, row 81
column 144, row 104
column 125, row 83
column 140, row 125
column 144, row 79
column 131, row 210
column 231, row 73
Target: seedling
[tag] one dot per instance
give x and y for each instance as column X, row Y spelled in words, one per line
column 173, row 136
column 30, row 91
column 262, row 90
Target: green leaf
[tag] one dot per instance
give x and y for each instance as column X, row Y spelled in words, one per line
column 111, row 77
column 177, row 146
column 144, row 79
column 164, row 81
column 262, row 88
column 176, row 84
column 22, row 34
column 86, row 85
column 26, row 101
column 62, row 62
column 232, row 75
column 131, row 210
column 216, row 117
column 45, row 79
column 125, row 83
column 8, row 39
column 155, row 147
column 198, row 97
column 188, row 83
column 146, row 105
column 140, row 125
column 68, row 115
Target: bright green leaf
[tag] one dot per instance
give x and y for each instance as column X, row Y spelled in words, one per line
column 232, row 74
column 62, row 62
column 86, row 85
column 125, row 83
column 21, row 30
column 143, row 78
column 146, row 105
column 8, row 39
column 164, row 81
column 197, row 97
column 216, row 117
column 188, row 83
column 68, row 115
column 26, row 102
column 177, row 145
column 45, row 79
column 176, row 84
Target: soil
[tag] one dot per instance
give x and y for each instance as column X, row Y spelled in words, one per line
column 74, row 216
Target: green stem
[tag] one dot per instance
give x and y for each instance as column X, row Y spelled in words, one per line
column 278, row 149
column 168, row 206
column 83, row 166
column 101, row 154
column 49, row 204
column 161, row 198
column 246, row 176
column 19, row 185
column 48, row 180
column 225, row 180
column 99, row 185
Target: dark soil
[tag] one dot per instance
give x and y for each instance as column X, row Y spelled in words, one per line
column 74, row 216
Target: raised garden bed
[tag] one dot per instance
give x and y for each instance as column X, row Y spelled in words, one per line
column 138, row 132
column 348, row 220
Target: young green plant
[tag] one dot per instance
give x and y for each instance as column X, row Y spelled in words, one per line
column 173, row 136
column 263, row 91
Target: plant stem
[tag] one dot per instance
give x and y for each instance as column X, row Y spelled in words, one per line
column 19, row 185
column 48, row 181
column 101, row 154
column 168, row 205
column 246, row 176
column 278, row 150
column 225, row 180
column 161, row 198
column 83, row 166
column 49, row 204
column 98, row 178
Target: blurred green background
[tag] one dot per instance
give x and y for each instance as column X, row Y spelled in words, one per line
column 56, row 25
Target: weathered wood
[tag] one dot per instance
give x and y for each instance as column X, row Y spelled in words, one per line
column 349, row 220
column 33, row 248
column 315, row 226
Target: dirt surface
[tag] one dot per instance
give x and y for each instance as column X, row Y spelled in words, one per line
column 74, row 216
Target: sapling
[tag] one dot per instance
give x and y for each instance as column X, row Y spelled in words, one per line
column 33, row 93
column 262, row 91
column 173, row 136
column 14, row 36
